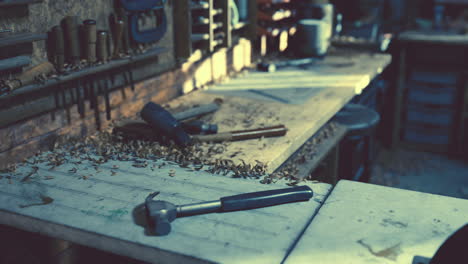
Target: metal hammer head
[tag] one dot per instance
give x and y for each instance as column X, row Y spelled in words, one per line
column 160, row 214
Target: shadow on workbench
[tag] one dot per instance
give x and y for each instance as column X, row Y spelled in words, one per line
column 21, row 247
column 421, row 171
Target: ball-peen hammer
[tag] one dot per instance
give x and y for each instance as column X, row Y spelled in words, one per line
column 160, row 214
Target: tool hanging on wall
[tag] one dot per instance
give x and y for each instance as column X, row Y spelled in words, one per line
column 72, row 39
column 135, row 9
column 59, row 48
column 118, row 31
column 90, row 39
column 28, row 77
column 121, row 15
column 102, row 50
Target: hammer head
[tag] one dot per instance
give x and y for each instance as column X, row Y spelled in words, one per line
column 160, row 215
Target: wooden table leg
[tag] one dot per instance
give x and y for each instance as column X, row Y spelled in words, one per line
column 399, row 98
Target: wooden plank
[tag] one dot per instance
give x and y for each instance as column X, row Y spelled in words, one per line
column 434, row 37
column 95, row 207
column 389, row 230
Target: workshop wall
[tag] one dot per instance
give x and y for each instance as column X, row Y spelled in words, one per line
column 33, row 121
column 41, row 17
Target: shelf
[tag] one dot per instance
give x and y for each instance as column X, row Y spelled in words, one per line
column 218, row 11
column 217, row 25
column 270, row 32
column 240, row 25
column 20, row 38
column 6, row 3
column 197, row 6
column 86, row 72
column 275, row 16
column 200, row 37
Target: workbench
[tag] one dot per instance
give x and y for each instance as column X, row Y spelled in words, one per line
column 363, row 223
column 96, row 206
column 302, row 99
column 93, row 203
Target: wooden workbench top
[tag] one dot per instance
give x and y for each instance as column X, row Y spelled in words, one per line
column 321, row 90
column 363, row 223
column 92, row 204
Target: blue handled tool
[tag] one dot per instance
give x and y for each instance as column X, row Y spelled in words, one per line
column 160, row 214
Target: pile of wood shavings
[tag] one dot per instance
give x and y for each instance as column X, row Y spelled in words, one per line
column 196, row 157
column 306, row 153
column 104, row 146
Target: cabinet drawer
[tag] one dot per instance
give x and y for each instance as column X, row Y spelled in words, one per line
column 427, row 134
column 435, row 77
column 427, row 115
column 435, row 94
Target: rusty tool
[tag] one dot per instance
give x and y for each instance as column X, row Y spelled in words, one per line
column 90, row 39
column 160, row 214
column 79, row 98
column 59, row 48
column 122, row 15
column 29, row 76
column 274, row 131
column 118, row 32
column 199, row 127
column 102, row 50
column 72, row 39
column 104, row 87
column 140, row 129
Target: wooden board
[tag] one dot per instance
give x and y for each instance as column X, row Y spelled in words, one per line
column 93, row 207
column 434, row 37
column 302, row 120
column 364, row 223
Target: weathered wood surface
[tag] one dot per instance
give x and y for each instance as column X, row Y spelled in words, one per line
column 363, row 223
column 94, row 207
column 302, row 120
column 434, row 37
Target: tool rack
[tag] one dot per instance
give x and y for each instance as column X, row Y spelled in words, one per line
column 276, row 24
column 60, row 82
column 206, row 25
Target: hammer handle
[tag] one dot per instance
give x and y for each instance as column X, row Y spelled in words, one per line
column 247, row 201
column 275, row 131
column 266, row 198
